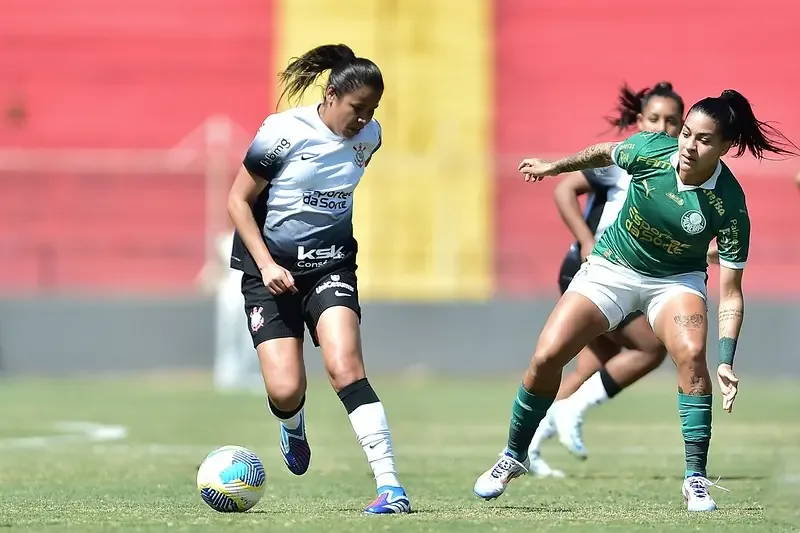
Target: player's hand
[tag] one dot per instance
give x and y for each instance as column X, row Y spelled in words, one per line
column 728, row 385
column 586, row 249
column 536, row 169
column 277, row 279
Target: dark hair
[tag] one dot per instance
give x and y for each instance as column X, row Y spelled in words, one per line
column 737, row 123
column 348, row 72
column 632, row 103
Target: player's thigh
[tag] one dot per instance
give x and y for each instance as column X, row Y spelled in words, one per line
column 574, row 322
column 333, row 316
column 635, row 333
column 276, row 325
column 613, row 290
column 678, row 313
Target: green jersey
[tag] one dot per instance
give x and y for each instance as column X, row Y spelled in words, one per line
column 665, row 227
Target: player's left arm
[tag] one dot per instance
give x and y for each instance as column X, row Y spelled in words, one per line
column 377, row 145
column 733, row 244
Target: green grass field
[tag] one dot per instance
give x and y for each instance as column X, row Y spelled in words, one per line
column 446, row 432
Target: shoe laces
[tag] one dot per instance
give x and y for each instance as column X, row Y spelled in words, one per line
column 504, row 466
column 700, row 484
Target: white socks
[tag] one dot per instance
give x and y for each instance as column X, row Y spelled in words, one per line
column 592, row 392
column 545, row 430
column 293, row 422
column 372, row 430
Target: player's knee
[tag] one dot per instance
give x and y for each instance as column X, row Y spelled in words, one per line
column 287, row 396
column 344, row 367
column 548, row 356
column 689, row 355
column 654, row 354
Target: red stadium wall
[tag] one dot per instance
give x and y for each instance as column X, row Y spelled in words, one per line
column 97, row 74
column 558, row 72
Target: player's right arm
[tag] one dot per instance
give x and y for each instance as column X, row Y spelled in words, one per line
column 262, row 162
column 595, row 156
column 566, row 195
column 623, row 154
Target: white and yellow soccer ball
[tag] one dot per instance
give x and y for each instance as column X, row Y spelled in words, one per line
column 231, row 479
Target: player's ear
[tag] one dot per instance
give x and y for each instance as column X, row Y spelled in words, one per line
column 639, row 121
column 726, row 145
column 330, row 94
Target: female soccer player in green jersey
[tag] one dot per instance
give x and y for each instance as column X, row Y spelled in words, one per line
column 653, row 259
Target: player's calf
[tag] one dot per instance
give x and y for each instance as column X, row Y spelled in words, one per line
column 368, row 419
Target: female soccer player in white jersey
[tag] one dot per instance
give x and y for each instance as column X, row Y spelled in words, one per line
column 653, row 259
column 620, row 357
column 292, row 205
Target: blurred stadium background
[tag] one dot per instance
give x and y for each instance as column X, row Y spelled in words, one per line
column 121, row 126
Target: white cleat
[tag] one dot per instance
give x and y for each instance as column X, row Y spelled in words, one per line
column 540, row 469
column 492, row 483
column 695, row 492
column 569, row 425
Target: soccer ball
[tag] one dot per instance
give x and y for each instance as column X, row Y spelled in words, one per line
column 231, row 479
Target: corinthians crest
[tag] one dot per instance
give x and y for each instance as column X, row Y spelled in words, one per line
column 360, row 155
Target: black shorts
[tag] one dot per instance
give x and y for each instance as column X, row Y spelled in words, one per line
column 285, row 315
column 569, row 267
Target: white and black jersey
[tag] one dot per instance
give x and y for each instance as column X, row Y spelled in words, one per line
column 305, row 213
column 609, row 190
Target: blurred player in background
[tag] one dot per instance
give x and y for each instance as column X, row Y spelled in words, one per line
column 235, row 362
column 653, row 258
column 626, row 354
column 292, row 205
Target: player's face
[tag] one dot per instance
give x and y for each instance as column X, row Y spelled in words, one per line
column 660, row 114
column 352, row 111
column 700, row 145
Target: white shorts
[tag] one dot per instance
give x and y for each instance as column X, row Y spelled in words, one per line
column 618, row 291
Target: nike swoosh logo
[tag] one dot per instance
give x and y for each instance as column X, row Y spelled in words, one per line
column 337, row 293
column 306, row 156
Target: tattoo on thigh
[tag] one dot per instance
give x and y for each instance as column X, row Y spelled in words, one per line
column 694, row 321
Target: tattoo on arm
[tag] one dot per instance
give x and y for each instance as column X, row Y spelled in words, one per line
column 596, row 156
column 730, row 314
column 694, row 321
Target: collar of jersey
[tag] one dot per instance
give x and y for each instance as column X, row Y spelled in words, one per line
column 709, row 184
column 313, row 116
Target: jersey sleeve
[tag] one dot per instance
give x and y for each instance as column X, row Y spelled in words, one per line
column 378, row 144
column 644, row 153
column 604, row 177
column 733, row 237
column 625, row 153
column 268, row 152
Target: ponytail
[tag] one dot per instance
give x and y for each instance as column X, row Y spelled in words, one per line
column 738, row 124
column 632, row 103
column 348, row 72
column 303, row 71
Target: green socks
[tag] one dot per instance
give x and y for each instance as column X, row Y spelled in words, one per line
column 527, row 412
column 695, row 413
